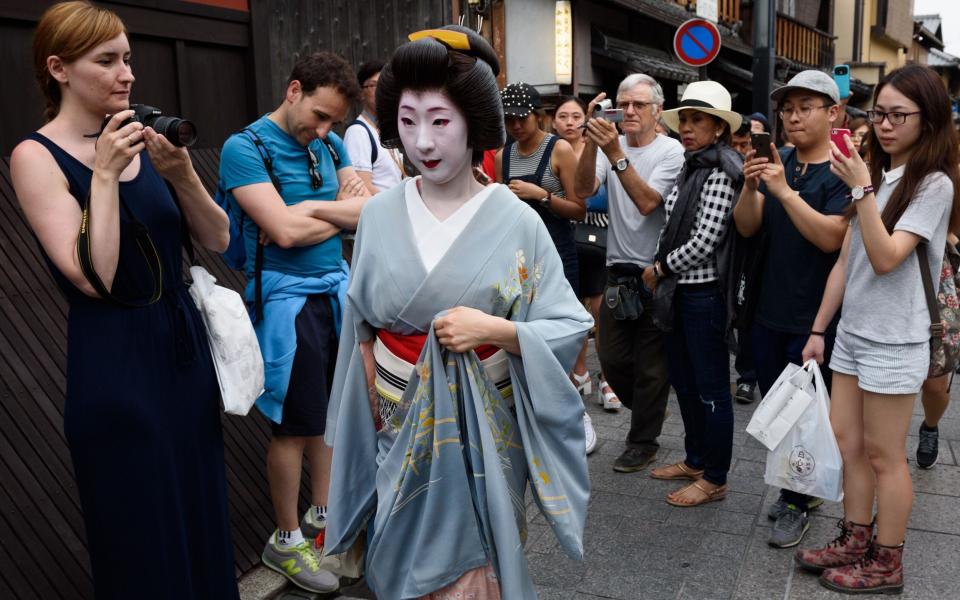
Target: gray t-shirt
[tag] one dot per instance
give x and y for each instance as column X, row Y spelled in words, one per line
column 892, row 308
column 632, row 237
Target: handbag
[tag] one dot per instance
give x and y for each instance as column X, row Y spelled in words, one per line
column 232, row 340
column 230, row 335
column 807, row 459
column 944, row 309
column 594, row 236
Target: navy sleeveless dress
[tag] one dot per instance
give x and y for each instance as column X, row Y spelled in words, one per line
column 142, row 416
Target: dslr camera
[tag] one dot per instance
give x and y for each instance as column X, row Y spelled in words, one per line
column 180, row 132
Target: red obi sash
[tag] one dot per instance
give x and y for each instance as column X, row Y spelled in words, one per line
column 408, row 347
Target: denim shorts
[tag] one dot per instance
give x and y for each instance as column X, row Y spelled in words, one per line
column 881, row 368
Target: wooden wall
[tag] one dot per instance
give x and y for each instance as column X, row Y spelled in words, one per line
column 357, row 30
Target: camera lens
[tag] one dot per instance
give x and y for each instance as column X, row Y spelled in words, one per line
column 180, row 132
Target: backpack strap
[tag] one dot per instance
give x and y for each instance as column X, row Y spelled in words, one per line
column 936, row 324
column 333, row 153
column 258, row 258
column 373, row 143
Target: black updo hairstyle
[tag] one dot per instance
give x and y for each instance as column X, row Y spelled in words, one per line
column 467, row 77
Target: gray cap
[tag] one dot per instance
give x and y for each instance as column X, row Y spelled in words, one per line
column 814, row 81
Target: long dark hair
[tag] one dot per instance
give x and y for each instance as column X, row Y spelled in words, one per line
column 934, row 151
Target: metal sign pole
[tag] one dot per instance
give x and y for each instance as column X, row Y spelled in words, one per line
column 764, row 44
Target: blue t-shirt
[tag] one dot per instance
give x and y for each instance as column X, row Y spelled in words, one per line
column 795, row 271
column 241, row 164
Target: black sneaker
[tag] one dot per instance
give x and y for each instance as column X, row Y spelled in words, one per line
column 744, row 393
column 633, row 459
column 928, row 450
column 778, row 507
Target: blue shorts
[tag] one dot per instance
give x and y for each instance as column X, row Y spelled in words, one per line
column 881, row 368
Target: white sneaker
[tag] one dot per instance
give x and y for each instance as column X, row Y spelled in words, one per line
column 591, row 434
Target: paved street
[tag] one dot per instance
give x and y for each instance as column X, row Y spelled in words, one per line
column 639, row 547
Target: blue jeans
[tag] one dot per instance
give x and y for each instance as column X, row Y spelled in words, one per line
column 700, row 374
column 772, row 351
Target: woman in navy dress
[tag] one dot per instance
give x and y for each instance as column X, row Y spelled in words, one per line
column 142, row 405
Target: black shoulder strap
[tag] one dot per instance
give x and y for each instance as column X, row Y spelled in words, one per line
column 144, row 243
column 545, row 159
column 505, row 161
column 258, row 258
column 936, row 325
column 333, row 153
column 373, row 142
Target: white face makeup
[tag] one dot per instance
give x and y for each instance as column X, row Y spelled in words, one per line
column 434, row 135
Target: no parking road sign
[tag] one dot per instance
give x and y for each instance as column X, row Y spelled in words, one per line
column 697, row 42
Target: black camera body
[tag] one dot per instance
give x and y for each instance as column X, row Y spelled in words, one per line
column 180, row 132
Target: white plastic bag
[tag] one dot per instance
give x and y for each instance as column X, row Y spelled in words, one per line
column 232, row 340
column 785, row 401
column 807, row 459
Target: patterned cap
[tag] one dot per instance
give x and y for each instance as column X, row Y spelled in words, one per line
column 519, row 99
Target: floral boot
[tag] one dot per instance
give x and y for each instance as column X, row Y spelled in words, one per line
column 880, row 571
column 852, row 543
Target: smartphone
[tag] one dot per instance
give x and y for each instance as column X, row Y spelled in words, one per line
column 761, row 143
column 836, row 135
column 841, row 75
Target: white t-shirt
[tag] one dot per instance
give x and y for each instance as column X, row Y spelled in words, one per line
column 892, row 308
column 433, row 236
column 633, row 237
column 386, row 171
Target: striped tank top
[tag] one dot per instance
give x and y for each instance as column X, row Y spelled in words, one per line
column 521, row 166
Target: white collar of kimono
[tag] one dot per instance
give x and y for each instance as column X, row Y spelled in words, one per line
column 893, row 175
column 434, row 237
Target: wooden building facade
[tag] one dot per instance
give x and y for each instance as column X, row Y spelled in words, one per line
column 220, row 63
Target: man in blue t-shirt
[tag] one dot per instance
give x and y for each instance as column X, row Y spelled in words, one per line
column 292, row 179
column 796, row 206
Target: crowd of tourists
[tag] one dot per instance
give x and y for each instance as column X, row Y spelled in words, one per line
column 440, row 375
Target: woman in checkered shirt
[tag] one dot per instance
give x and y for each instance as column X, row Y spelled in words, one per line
column 691, row 302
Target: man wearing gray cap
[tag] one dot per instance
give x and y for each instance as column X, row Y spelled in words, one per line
column 795, row 205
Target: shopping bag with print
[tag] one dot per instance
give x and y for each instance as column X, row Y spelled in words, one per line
column 807, row 460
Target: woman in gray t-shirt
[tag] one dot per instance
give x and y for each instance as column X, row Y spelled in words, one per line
column 907, row 195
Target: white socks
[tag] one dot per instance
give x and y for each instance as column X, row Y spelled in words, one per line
column 319, row 513
column 287, row 539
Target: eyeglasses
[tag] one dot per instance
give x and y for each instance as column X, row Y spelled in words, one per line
column 803, row 112
column 637, row 106
column 896, row 118
column 316, row 179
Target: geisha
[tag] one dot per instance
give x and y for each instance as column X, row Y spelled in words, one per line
column 451, row 392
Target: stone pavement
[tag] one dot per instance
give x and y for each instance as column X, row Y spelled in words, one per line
column 639, row 547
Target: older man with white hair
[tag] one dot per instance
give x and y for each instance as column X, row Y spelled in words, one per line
column 639, row 169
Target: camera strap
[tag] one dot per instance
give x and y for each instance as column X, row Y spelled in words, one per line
column 144, row 243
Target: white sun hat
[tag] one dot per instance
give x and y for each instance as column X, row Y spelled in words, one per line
column 706, row 96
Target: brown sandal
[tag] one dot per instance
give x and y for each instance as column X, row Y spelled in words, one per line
column 676, row 471
column 708, row 495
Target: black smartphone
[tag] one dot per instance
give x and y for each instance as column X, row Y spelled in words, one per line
column 761, row 143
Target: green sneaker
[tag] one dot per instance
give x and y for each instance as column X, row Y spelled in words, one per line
column 301, row 565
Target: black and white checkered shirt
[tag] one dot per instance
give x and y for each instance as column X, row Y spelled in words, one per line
column 695, row 261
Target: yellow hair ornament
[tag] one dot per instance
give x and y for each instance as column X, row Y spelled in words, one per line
column 456, row 40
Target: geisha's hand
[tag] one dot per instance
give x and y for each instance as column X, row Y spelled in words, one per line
column 526, row 190
column 462, row 329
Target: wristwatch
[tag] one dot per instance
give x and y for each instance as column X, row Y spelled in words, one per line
column 621, row 164
column 545, row 201
column 857, row 192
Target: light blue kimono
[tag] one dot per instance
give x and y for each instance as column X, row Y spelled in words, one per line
column 441, row 488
